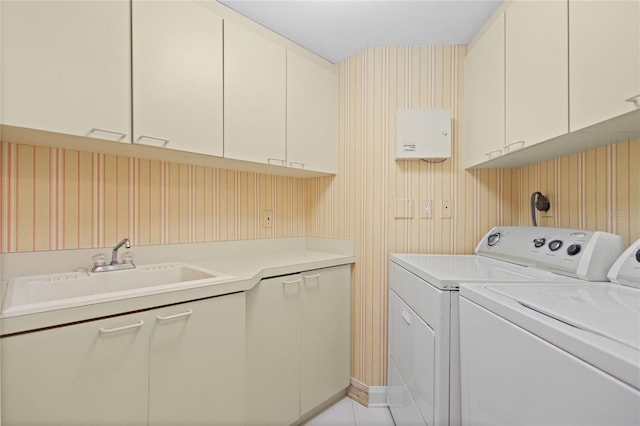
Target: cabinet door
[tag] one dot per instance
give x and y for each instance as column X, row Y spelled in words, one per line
column 196, row 362
column 604, row 58
column 177, row 76
column 273, row 351
column 90, row 373
column 326, row 335
column 254, row 97
column 312, row 115
column 484, row 96
column 66, row 67
column 537, row 75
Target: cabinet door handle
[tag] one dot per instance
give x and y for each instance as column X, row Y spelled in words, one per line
column 294, row 163
column 298, row 281
column 123, row 328
column 490, row 153
column 634, row 100
column 406, row 317
column 311, row 277
column 282, row 162
column 508, row 147
column 111, row 132
column 163, row 142
column 175, row 316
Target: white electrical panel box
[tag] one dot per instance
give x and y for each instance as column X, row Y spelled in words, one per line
column 423, row 133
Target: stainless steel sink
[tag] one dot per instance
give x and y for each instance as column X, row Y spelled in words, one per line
column 56, row 291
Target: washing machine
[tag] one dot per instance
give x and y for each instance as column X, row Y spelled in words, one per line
column 424, row 355
column 553, row 353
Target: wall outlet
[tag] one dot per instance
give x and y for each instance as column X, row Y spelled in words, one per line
column 446, row 209
column 268, row 218
column 425, row 211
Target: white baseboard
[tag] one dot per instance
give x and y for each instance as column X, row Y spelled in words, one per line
column 371, row 396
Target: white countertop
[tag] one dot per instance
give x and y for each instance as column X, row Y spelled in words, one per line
column 246, row 261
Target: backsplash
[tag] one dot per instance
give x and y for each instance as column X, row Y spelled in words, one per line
column 62, row 199
column 596, row 190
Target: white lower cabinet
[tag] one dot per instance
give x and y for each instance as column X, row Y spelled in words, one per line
column 178, row 364
column 196, row 363
column 298, row 344
column 81, row 374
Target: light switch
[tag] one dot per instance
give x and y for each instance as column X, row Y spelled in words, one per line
column 404, row 208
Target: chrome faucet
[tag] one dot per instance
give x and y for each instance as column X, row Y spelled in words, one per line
column 101, row 266
column 114, row 254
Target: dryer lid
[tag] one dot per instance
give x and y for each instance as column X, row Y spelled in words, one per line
column 609, row 310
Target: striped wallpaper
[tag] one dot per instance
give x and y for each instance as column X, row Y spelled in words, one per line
column 60, row 199
column 592, row 190
column 54, row 198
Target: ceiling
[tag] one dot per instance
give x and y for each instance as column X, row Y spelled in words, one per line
column 336, row 30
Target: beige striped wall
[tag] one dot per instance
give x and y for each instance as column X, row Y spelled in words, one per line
column 60, row 199
column 592, row 190
column 53, row 198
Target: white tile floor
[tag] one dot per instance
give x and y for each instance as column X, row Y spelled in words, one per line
column 347, row 412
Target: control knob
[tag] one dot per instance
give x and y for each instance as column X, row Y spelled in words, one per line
column 555, row 245
column 493, row 239
column 573, row 249
column 539, row 242
column 638, row 255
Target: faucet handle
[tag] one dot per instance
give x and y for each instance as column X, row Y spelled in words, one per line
column 127, row 257
column 99, row 260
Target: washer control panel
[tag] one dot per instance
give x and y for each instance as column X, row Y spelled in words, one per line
column 581, row 254
column 626, row 270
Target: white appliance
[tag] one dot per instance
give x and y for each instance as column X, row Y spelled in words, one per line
column 424, row 357
column 553, row 353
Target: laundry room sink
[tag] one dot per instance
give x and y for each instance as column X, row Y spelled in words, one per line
column 55, row 291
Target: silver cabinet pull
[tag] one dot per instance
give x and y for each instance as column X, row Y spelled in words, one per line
column 508, row 147
column 111, row 132
column 634, row 100
column 123, row 328
column 175, row 316
column 294, row 163
column 495, row 151
column 163, row 142
column 276, row 160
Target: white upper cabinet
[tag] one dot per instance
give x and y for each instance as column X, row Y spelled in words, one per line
column 254, row 97
column 604, row 49
column 177, row 76
column 536, row 74
column 312, row 115
column 484, row 90
column 66, row 67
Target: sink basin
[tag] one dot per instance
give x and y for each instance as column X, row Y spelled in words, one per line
column 55, row 291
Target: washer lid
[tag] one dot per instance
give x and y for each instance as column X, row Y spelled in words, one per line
column 611, row 311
